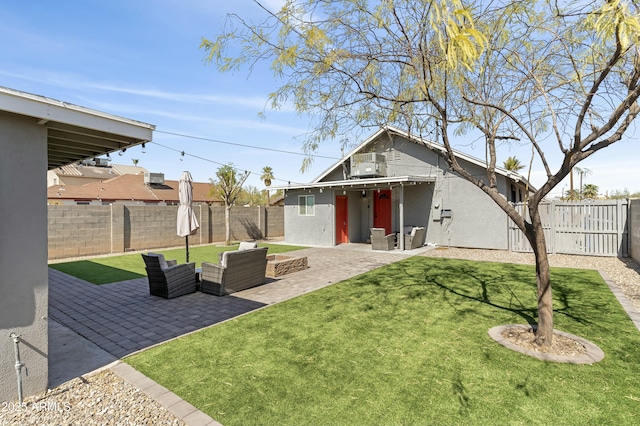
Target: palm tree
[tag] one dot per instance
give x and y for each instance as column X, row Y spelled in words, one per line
column 582, row 172
column 590, row 191
column 135, row 161
column 267, row 177
column 513, row 164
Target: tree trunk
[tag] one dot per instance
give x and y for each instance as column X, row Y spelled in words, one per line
column 544, row 334
column 227, row 225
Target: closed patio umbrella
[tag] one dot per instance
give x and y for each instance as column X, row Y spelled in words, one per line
column 187, row 222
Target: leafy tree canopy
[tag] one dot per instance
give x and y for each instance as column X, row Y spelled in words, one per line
column 561, row 76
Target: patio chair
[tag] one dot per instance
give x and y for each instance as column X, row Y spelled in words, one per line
column 380, row 241
column 168, row 279
column 415, row 239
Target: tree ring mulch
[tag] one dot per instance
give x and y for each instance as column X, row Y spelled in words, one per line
column 566, row 347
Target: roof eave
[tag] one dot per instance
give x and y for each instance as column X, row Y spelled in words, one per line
column 369, row 183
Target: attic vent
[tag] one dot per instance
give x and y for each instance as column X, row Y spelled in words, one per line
column 370, row 164
column 153, row 177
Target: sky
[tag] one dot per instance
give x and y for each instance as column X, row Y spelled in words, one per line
column 141, row 59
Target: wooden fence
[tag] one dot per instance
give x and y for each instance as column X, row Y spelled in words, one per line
column 597, row 228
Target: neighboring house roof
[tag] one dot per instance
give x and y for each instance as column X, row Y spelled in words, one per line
column 122, row 169
column 95, row 172
column 73, row 132
column 80, row 174
column 129, row 188
column 277, row 201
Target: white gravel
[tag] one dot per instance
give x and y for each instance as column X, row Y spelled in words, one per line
column 98, row 399
column 106, row 399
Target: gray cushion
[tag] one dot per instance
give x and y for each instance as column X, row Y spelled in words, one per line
column 161, row 259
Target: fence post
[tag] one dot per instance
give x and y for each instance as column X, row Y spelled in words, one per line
column 622, row 242
column 552, row 226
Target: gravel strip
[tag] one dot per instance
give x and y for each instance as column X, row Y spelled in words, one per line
column 625, row 273
column 106, row 399
column 98, row 399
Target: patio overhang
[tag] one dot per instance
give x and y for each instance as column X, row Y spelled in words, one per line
column 362, row 184
column 75, row 133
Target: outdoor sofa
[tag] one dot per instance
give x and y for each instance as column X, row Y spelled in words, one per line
column 168, row 279
column 237, row 270
column 382, row 241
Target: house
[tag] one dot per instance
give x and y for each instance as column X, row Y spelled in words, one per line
column 395, row 180
column 87, row 171
column 39, row 134
column 130, row 189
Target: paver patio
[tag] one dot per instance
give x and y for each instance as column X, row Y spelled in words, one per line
column 123, row 318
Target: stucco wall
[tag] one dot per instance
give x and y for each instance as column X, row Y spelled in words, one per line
column 310, row 230
column 634, row 229
column 90, row 230
column 477, row 221
column 23, row 254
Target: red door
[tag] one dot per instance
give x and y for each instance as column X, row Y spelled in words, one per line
column 342, row 229
column 382, row 210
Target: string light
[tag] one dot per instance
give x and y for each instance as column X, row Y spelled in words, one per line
column 242, row 145
column 183, row 153
column 144, row 149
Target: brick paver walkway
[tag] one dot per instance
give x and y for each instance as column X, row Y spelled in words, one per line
column 122, row 318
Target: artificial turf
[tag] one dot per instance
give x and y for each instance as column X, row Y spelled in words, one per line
column 407, row 344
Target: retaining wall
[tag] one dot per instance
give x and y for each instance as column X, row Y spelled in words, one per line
column 81, row 230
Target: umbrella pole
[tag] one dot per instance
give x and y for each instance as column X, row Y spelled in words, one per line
column 187, row 241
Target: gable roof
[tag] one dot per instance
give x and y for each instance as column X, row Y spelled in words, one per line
column 129, row 188
column 517, row 177
column 94, row 172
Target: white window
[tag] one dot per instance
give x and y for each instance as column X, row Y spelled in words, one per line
column 306, row 205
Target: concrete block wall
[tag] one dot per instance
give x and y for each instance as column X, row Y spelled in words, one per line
column 274, row 222
column 150, row 227
column 92, row 230
column 634, row 229
column 78, row 230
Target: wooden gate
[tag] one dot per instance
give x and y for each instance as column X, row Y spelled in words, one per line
column 597, row 228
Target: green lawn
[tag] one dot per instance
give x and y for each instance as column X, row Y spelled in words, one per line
column 407, row 344
column 111, row 269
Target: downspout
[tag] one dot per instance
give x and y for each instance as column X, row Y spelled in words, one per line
column 19, row 365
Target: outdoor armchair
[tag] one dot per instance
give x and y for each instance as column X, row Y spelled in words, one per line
column 415, row 239
column 168, row 279
column 238, row 270
column 380, row 241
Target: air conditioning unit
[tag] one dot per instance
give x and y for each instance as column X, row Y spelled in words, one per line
column 153, row 177
column 102, row 162
column 370, row 164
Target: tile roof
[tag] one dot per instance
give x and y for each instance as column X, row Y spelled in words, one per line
column 127, row 188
